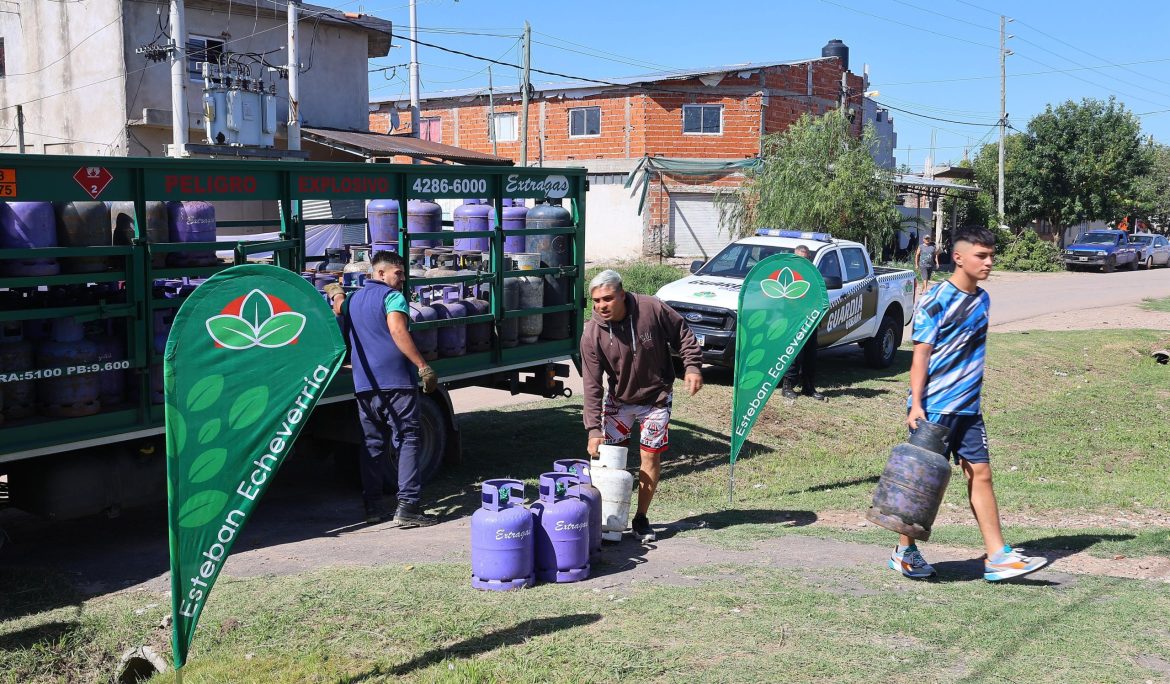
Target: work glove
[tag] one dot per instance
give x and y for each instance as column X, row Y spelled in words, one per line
column 332, row 290
column 429, row 379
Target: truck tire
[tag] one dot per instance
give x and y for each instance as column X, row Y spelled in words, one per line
column 881, row 348
column 1149, row 263
column 433, row 427
column 1110, row 265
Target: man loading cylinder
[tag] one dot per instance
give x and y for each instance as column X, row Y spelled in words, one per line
column 629, row 339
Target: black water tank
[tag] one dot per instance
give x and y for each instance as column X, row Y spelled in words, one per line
column 838, row 49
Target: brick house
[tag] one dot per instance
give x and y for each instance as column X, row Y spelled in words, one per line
column 717, row 114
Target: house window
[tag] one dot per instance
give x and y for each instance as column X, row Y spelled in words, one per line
column 585, row 122
column 505, row 127
column 431, row 128
column 703, row 119
column 201, row 49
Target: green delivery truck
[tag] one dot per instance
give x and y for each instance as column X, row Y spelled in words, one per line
column 66, row 462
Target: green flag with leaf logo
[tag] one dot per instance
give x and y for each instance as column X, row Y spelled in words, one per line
column 249, row 354
column 781, row 302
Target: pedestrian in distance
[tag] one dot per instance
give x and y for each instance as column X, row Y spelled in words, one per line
column 386, row 385
column 946, row 380
column 926, row 258
column 804, row 367
column 629, row 340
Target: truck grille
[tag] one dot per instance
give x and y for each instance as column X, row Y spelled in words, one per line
column 705, row 316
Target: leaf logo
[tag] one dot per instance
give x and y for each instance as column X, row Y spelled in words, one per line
column 256, row 320
column 784, row 284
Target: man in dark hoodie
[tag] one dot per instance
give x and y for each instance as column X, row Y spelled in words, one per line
column 629, row 339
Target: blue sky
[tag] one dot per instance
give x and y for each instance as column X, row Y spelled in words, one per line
column 935, row 58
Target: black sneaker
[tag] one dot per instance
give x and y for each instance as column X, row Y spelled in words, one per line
column 410, row 515
column 642, row 529
column 788, row 393
column 813, row 394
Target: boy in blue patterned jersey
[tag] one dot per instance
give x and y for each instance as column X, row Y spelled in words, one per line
column 946, row 379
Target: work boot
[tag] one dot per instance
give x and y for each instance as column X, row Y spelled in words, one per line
column 813, row 393
column 786, row 390
column 411, row 515
column 375, row 513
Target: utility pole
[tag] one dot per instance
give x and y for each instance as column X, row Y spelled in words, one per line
column 491, row 112
column 20, row 129
column 294, row 78
column 178, row 79
column 1003, row 53
column 414, row 103
column 524, row 95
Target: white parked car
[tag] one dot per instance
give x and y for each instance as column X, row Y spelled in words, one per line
column 867, row 305
column 1153, row 250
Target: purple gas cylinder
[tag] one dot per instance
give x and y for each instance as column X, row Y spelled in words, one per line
column 28, row 225
column 479, row 335
column 473, row 215
column 157, row 229
column 589, row 494
column 83, row 224
column 423, row 216
column 562, row 530
column 162, row 330
column 426, row 340
column 17, row 354
column 452, row 338
column 64, row 395
column 191, row 221
column 110, row 350
column 502, row 545
column 382, row 217
column 515, row 216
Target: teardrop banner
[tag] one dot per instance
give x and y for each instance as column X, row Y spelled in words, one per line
column 249, row 354
column 781, row 302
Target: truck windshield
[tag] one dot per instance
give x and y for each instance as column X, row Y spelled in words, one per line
column 737, row 259
column 1098, row 239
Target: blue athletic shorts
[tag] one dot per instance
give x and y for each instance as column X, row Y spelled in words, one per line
column 968, row 437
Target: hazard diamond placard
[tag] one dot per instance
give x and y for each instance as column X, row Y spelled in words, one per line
column 93, row 179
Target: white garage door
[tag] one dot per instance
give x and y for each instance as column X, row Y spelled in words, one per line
column 694, row 226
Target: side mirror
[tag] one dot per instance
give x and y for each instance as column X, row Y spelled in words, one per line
column 696, row 265
column 833, row 283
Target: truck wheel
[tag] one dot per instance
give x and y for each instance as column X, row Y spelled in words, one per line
column 432, row 437
column 1149, row 263
column 880, row 349
column 1109, row 266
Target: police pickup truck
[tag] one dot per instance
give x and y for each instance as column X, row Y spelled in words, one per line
column 867, row 305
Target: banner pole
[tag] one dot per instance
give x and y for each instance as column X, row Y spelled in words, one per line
column 731, row 485
column 178, row 675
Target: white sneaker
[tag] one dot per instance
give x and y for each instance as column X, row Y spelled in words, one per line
column 1011, row 563
column 911, row 563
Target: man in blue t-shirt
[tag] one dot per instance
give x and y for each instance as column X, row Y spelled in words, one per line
column 384, row 359
column 946, row 379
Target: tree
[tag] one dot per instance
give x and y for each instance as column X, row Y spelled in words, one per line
column 983, row 210
column 1080, row 162
column 816, row 175
column 1153, row 188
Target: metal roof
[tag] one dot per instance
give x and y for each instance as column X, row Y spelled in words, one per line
column 742, row 70
column 913, row 181
column 367, row 144
column 377, row 30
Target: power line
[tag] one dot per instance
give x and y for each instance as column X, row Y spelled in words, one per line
column 946, row 16
column 935, row 118
column 1016, row 75
column 1093, row 83
column 1073, row 61
column 1080, row 49
column 587, row 47
column 909, row 26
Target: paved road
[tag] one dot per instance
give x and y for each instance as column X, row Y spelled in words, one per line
column 1020, row 301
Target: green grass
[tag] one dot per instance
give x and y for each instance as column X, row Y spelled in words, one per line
column 1151, row 304
column 642, row 277
column 735, row 623
column 1062, row 412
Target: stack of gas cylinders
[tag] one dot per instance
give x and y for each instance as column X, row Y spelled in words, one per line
column 557, row 536
column 60, row 354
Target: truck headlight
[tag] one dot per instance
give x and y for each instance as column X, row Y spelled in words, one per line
column 1101, row 252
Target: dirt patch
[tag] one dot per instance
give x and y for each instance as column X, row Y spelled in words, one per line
column 1105, row 318
column 1154, row 568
